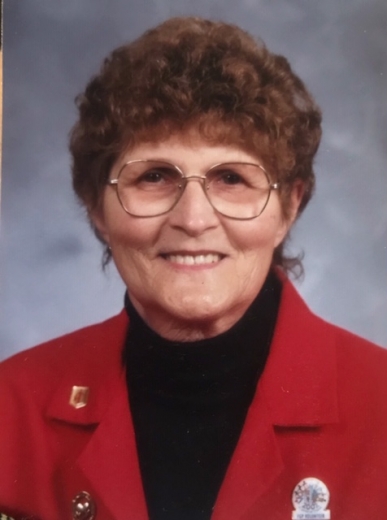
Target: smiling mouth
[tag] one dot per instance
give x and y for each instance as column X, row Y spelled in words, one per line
column 199, row 259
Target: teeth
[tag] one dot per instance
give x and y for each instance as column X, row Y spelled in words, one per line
column 194, row 260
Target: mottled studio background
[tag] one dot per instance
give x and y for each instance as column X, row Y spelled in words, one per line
column 51, row 281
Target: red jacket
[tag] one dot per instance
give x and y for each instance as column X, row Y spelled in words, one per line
column 320, row 410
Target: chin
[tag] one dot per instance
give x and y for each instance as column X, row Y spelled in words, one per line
column 198, row 308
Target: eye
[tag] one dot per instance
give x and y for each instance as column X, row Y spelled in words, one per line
column 237, row 177
column 227, row 177
column 158, row 176
column 153, row 176
column 230, row 177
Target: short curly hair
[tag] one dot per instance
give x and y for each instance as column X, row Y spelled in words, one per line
column 191, row 73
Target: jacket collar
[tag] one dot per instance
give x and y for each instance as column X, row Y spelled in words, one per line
column 95, row 362
column 300, row 380
column 298, row 383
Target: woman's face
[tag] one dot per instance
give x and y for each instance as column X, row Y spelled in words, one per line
column 180, row 299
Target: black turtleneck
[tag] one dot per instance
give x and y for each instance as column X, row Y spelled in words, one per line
column 189, row 402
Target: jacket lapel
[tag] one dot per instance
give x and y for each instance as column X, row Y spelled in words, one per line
column 297, row 388
column 254, row 466
column 107, row 467
column 110, row 463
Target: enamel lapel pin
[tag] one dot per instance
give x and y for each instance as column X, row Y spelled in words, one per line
column 310, row 500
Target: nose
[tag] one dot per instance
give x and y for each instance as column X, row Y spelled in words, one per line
column 193, row 213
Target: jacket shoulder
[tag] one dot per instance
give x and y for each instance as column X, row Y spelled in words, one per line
column 361, row 362
column 83, row 347
column 349, row 346
column 361, row 366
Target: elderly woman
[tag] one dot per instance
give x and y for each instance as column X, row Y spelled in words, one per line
column 215, row 393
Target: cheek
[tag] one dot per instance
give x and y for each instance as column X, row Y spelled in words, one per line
column 130, row 251
column 128, row 233
column 258, row 237
column 126, row 238
column 133, row 244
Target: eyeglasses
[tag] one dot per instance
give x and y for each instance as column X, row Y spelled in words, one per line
column 149, row 188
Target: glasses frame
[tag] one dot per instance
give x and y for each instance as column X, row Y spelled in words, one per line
column 184, row 181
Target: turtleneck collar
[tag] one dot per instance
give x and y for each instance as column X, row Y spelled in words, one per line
column 208, row 370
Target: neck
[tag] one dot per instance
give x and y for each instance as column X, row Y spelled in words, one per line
column 176, row 329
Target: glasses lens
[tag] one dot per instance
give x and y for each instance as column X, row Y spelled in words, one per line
column 238, row 190
column 148, row 188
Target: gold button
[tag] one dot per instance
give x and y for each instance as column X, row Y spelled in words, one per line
column 84, row 507
column 79, row 396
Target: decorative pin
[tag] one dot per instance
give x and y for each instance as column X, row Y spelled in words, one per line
column 310, row 500
column 79, row 396
column 84, row 507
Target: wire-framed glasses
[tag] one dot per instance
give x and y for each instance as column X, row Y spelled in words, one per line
column 149, row 188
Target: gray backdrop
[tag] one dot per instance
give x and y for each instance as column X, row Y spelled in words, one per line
column 51, row 280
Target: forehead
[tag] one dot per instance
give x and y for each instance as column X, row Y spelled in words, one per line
column 209, row 127
column 189, row 151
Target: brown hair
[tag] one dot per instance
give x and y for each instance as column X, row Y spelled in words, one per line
column 193, row 73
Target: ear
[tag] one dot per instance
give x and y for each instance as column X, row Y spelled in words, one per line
column 97, row 218
column 293, row 203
